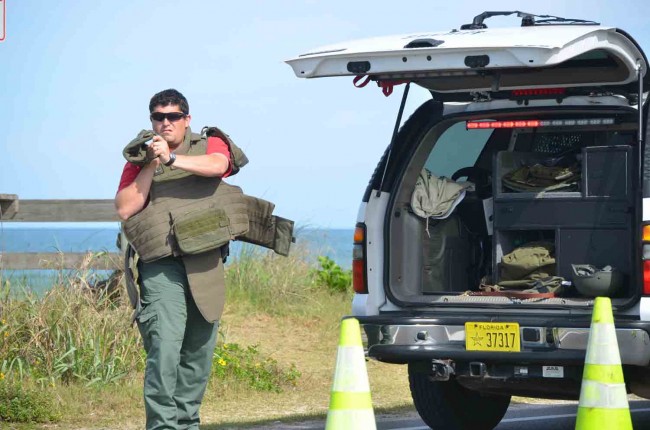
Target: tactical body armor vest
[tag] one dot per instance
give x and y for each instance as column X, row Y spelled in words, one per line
column 193, row 217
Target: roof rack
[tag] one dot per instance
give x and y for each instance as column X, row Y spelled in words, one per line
column 527, row 20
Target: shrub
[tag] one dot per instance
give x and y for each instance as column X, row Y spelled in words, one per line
column 332, row 276
column 20, row 404
column 247, row 365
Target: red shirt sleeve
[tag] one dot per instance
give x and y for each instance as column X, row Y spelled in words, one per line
column 217, row 146
column 128, row 175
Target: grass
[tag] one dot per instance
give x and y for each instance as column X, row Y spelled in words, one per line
column 278, row 340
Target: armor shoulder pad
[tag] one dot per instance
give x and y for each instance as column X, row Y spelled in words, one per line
column 136, row 151
column 237, row 157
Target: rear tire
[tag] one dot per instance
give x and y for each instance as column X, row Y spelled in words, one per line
column 449, row 406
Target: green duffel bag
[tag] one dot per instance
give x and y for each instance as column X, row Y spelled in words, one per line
column 534, row 257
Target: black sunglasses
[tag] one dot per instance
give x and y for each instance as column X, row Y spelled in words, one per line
column 171, row 116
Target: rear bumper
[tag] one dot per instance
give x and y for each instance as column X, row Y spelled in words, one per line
column 403, row 339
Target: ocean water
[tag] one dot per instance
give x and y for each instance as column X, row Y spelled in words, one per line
column 334, row 243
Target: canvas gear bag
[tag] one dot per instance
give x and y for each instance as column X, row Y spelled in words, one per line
column 541, row 288
column 532, row 258
column 529, row 269
column 435, row 197
column 540, row 178
column 446, row 256
column 537, row 282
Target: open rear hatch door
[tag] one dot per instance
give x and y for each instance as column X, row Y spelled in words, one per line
column 455, row 63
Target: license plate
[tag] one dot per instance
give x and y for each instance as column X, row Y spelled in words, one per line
column 487, row 336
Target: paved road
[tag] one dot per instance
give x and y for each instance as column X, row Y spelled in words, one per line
column 532, row 417
column 558, row 416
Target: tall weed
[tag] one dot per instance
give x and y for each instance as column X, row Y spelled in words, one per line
column 271, row 283
column 75, row 338
column 71, row 333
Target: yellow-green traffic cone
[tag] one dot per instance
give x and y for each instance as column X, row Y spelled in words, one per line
column 603, row 398
column 350, row 404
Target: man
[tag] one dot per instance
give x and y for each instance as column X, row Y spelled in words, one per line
column 170, row 119
column 178, row 319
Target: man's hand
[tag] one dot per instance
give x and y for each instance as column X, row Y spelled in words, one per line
column 159, row 149
column 203, row 165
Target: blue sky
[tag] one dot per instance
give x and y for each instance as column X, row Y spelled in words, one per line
column 77, row 77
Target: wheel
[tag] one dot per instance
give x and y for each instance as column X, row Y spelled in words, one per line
column 449, row 406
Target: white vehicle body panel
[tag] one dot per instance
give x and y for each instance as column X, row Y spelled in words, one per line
column 644, row 309
column 507, row 48
column 372, row 214
column 646, row 209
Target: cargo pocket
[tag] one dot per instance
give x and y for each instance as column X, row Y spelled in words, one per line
column 148, row 326
column 202, row 230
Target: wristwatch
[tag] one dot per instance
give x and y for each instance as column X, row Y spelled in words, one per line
column 172, row 158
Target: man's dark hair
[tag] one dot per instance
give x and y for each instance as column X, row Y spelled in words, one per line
column 169, row 97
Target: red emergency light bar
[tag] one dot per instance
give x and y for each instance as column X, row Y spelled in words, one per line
column 530, row 123
column 539, row 92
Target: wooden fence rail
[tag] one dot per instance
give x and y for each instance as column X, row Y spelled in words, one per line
column 14, row 210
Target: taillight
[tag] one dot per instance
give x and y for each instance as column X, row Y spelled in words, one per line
column 646, row 259
column 646, row 277
column 359, row 281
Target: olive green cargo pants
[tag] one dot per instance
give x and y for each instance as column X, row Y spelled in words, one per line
column 179, row 343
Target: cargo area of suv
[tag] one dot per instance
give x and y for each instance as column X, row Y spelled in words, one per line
column 555, row 198
column 501, row 209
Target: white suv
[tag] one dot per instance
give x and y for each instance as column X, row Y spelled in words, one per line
column 543, row 122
